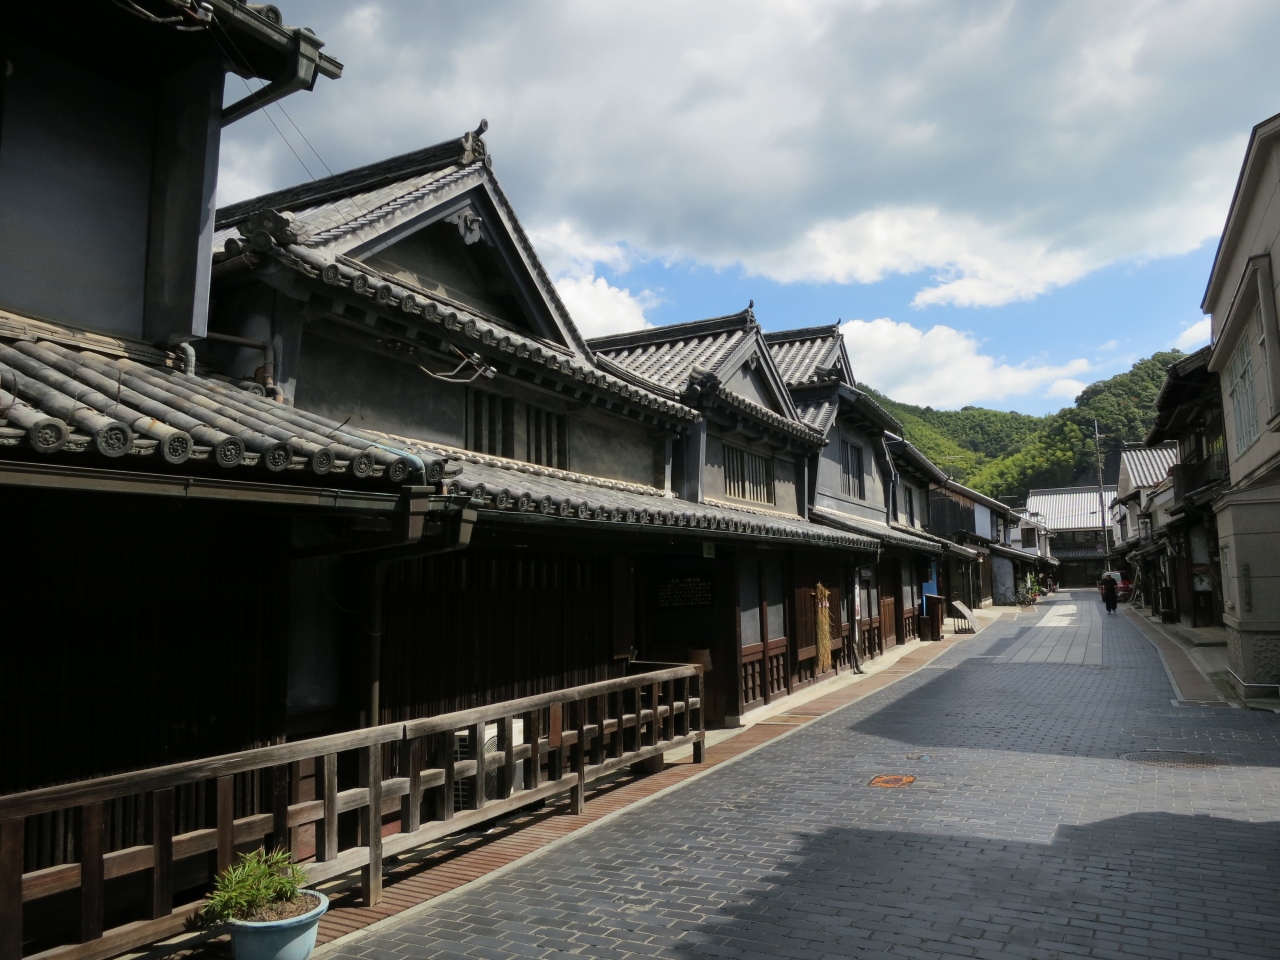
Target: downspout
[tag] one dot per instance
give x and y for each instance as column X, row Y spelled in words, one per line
column 268, row 359
column 188, row 357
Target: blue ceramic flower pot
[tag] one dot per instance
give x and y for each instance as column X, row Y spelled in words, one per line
column 291, row 939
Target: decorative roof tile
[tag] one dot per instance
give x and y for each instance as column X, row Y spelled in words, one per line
column 668, row 356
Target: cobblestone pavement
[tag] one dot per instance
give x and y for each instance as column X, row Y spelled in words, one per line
column 1025, row 833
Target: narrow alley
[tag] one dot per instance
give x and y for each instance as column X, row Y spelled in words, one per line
column 1062, row 805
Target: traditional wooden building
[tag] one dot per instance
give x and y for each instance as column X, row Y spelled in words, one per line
column 752, row 451
column 1175, row 547
column 865, row 479
column 1078, row 519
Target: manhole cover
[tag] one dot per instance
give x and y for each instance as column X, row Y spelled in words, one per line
column 1173, row 758
column 891, row 780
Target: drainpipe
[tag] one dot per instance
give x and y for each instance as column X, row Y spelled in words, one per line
column 188, row 357
column 268, row 359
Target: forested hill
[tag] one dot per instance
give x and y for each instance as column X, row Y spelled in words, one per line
column 1005, row 454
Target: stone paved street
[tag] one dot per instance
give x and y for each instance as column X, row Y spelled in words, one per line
column 1024, row 834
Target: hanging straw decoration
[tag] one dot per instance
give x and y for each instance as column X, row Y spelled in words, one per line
column 822, row 598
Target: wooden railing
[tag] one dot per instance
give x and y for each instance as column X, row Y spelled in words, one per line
column 566, row 740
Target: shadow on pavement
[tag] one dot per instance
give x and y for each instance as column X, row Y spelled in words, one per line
column 1150, row 885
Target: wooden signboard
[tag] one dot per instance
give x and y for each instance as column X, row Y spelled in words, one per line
column 965, row 613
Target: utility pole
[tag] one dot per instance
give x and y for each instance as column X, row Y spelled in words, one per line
column 1102, row 495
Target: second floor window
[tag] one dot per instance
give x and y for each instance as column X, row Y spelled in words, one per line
column 1029, row 537
column 747, row 476
column 1244, row 401
column 851, row 479
column 909, row 496
column 546, row 438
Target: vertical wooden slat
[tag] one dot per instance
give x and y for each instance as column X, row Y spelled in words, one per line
column 506, row 745
column 597, row 744
column 226, row 821
column 280, row 806
column 371, row 875
column 446, row 744
column 11, row 851
column 89, row 824
column 578, row 759
column 669, row 721
column 533, row 737
column 160, row 885
column 476, row 741
column 327, row 786
column 655, row 725
column 411, row 804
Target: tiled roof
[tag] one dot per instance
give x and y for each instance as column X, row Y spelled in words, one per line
column 515, row 488
column 420, row 307
column 323, row 215
column 795, row 428
column 818, row 413
column 55, row 398
column 1149, row 466
column 889, row 536
column 806, row 356
column 667, row 356
column 1069, row 508
column 58, row 400
column 363, row 183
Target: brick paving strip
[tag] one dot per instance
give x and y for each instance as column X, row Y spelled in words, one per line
column 420, row 878
column 1187, row 680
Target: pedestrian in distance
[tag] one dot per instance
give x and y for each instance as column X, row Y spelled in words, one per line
column 1108, row 586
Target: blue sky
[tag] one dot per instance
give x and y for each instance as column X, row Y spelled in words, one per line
column 1002, row 200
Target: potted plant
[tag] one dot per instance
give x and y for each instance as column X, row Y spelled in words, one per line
column 270, row 917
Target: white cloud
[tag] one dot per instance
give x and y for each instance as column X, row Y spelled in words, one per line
column 980, row 268
column 1194, row 336
column 566, row 252
column 945, row 367
column 598, row 308
column 1003, row 149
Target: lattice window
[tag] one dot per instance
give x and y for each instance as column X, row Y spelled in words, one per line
column 1029, row 537
column 852, row 483
column 1244, row 402
column 546, row 438
column 747, row 475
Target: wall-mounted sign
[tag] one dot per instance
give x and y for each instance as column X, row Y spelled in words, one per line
column 685, row 592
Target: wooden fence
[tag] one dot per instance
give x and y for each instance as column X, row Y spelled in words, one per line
column 568, row 739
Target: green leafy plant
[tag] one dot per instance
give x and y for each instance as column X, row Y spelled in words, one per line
column 250, row 885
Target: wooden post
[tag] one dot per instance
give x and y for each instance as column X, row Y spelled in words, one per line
column 555, row 754
column 374, row 629
column 327, row 784
column 160, row 886
column 476, row 740
column 446, row 745
column 89, row 833
column 700, row 745
column 11, row 852
column 411, row 804
column 578, row 760
column 371, row 875
column 226, row 820
column 617, row 743
column 669, row 721
column 506, row 745
column 280, row 806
